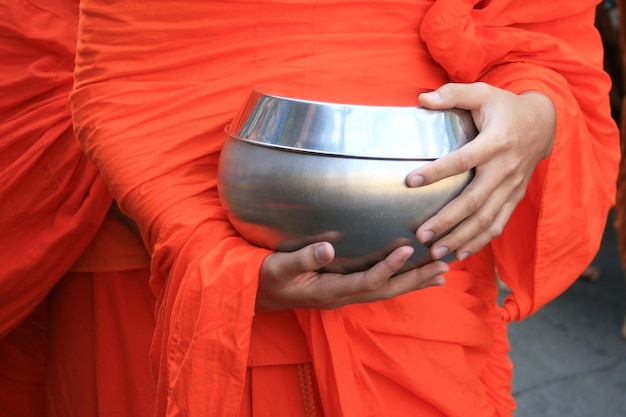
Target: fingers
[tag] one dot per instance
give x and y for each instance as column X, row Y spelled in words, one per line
column 310, row 258
column 469, row 202
column 474, row 232
column 371, row 280
column 465, row 96
column 416, row 279
column 458, row 162
column 516, row 132
column 291, row 280
column 475, row 217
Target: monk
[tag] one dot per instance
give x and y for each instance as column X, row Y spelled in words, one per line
column 76, row 311
column 243, row 331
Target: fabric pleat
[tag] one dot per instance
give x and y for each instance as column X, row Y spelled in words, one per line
column 52, row 199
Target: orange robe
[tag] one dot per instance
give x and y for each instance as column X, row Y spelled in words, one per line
column 157, row 83
column 53, row 206
column 51, row 197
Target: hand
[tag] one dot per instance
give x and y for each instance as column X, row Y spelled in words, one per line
column 290, row 280
column 516, row 132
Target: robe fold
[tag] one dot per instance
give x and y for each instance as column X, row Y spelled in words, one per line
column 53, row 206
column 52, row 199
column 157, row 83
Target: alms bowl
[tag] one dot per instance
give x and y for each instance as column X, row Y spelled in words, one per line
column 293, row 172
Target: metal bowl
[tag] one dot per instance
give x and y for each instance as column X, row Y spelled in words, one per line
column 293, row 172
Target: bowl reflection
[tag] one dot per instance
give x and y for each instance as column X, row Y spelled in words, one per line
column 294, row 172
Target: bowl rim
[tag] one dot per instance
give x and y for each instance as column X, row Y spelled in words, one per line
column 265, row 119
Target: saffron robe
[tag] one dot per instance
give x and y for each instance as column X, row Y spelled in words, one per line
column 156, row 84
column 51, row 196
column 52, row 199
column 53, row 206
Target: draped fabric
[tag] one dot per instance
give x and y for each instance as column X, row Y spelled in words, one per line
column 51, row 197
column 157, row 83
column 99, row 330
column 53, row 218
column 550, row 49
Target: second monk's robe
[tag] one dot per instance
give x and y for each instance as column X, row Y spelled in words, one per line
column 74, row 299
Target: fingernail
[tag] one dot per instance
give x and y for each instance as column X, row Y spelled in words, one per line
column 440, row 252
column 434, row 96
column 438, row 281
column 463, row 256
column 416, row 181
column 427, row 235
column 320, row 253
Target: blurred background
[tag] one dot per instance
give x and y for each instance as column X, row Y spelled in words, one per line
column 570, row 357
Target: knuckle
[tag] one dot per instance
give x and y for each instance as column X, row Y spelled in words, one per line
column 454, row 241
column 482, row 86
column 514, row 141
column 519, row 183
column 473, row 202
column 372, row 283
column 464, row 160
column 446, row 225
column 385, row 294
column 496, row 229
column 485, row 221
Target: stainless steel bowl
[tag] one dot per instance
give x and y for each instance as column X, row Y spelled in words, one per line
column 294, row 172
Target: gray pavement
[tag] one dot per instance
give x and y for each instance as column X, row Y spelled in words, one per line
column 570, row 357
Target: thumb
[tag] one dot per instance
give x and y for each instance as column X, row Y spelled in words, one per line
column 310, row 258
column 324, row 253
column 451, row 95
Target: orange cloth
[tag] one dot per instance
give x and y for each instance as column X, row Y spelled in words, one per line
column 53, row 205
column 114, row 248
column 157, row 83
column 100, row 328
column 22, row 367
column 52, row 199
column 100, row 322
